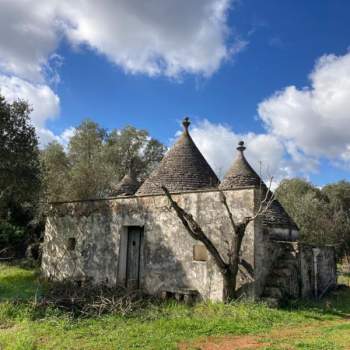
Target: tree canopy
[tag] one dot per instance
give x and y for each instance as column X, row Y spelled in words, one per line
column 96, row 160
column 55, row 168
column 19, row 157
column 323, row 215
column 92, row 163
column 20, row 175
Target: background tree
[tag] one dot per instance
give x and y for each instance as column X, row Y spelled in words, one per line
column 339, row 193
column 339, row 198
column 131, row 147
column 55, row 168
column 96, row 161
column 230, row 264
column 322, row 215
column 88, row 174
column 20, row 176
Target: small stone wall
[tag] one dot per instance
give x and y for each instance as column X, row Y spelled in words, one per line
column 318, row 270
column 98, row 230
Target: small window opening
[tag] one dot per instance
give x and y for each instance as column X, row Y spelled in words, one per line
column 71, row 243
column 200, row 253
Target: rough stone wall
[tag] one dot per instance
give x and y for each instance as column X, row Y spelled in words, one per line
column 317, row 270
column 266, row 253
column 265, row 250
column 167, row 252
column 96, row 246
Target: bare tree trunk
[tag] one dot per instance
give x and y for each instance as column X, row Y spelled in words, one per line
column 195, row 231
column 229, row 285
column 228, row 270
column 230, row 278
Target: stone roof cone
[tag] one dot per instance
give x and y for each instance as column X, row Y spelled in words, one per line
column 183, row 168
column 127, row 186
column 241, row 175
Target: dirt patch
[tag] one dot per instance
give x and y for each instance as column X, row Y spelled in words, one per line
column 224, row 343
column 283, row 336
column 7, row 325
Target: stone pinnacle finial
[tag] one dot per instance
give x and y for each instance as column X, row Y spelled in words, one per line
column 241, row 146
column 186, row 123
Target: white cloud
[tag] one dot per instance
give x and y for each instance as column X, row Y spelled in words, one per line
column 28, row 36
column 159, row 37
column 314, row 122
column 303, row 126
column 44, row 101
column 67, row 135
column 46, row 136
column 218, row 144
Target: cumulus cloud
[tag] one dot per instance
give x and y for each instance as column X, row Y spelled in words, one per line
column 44, row 101
column 303, row 126
column 314, row 122
column 46, row 136
column 218, row 143
column 45, row 104
column 28, row 36
column 161, row 37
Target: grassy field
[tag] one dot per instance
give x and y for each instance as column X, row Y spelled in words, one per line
column 24, row 325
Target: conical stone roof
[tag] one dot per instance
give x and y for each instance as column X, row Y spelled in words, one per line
column 127, row 186
column 183, row 168
column 241, row 175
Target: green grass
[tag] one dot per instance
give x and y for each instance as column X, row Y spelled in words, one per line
column 17, row 282
column 24, row 325
column 344, row 279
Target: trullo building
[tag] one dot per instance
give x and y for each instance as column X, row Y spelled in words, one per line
column 136, row 240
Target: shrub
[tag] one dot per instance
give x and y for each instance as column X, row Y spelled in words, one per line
column 12, row 238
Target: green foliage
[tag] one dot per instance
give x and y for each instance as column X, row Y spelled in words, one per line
column 55, row 166
column 322, row 215
column 96, row 161
column 26, row 324
column 88, row 175
column 18, row 283
column 20, row 175
column 339, row 194
column 133, row 148
column 11, row 235
column 19, row 161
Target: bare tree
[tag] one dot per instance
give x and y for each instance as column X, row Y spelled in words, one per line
column 230, row 265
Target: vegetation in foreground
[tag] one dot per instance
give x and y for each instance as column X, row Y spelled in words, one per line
column 27, row 324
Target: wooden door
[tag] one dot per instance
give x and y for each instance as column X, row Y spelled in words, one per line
column 133, row 257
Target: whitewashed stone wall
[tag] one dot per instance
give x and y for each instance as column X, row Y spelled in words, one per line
column 167, row 253
column 318, row 270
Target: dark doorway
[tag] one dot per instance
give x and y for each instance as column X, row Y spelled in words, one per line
column 133, row 257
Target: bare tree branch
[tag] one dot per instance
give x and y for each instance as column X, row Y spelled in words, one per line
column 266, row 203
column 195, row 231
column 224, row 202
column 235, row 263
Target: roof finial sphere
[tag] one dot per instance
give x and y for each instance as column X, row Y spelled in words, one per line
column 241, row 146
column 186, row 123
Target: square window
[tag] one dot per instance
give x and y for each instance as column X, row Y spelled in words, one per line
column 200, row 253
column 71, row 243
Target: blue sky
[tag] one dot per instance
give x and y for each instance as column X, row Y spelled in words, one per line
column 241, row 73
